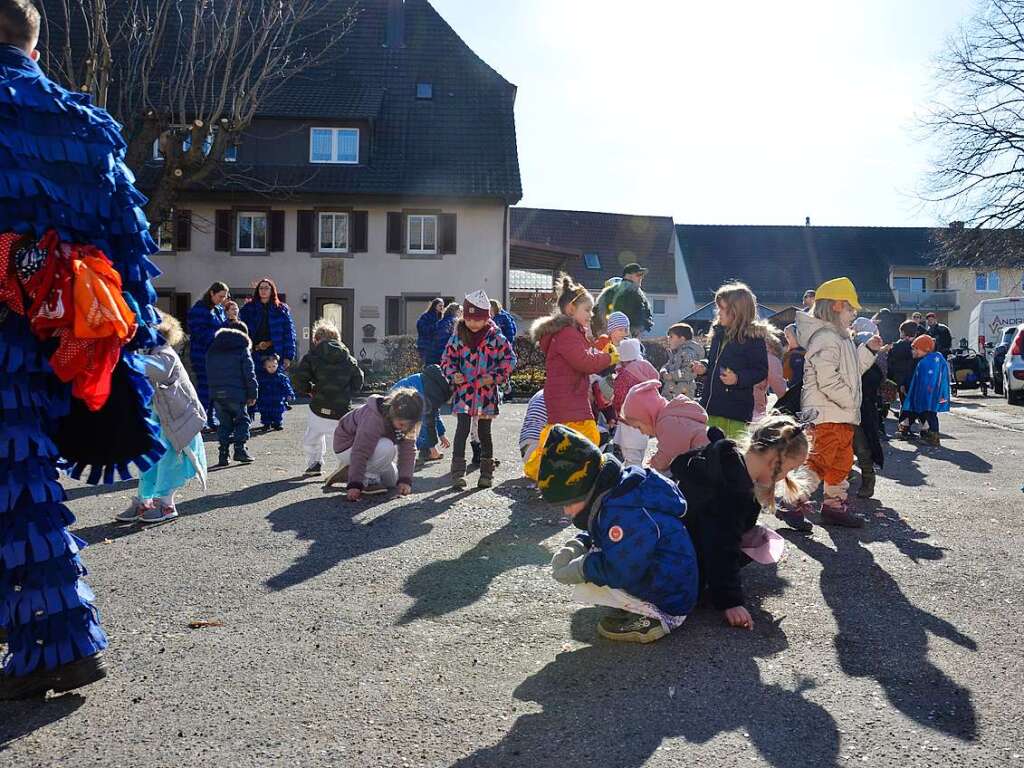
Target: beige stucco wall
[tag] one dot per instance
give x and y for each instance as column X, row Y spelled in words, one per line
column 963, row 281
column 373, row 275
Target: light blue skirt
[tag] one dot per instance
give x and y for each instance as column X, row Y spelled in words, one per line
column 174, row 469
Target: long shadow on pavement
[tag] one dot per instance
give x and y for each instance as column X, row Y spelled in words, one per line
column 20, row 718
column 882, row 635
column 614, row 704
column 445, row 586
column 325, row 522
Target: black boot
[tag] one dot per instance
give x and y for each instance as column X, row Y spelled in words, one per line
column 476, row 454
column 241, row 455
column 222, row 456
column 66, row 677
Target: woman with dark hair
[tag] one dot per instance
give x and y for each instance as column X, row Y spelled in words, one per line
column 204, row 320
column 270, row 324
column 426, row 327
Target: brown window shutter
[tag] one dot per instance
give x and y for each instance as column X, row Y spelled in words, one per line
column 446, row 236
column 392, row 316
column 275, row 234
column 358, row 231
column 224, row 236
column 183, row 230
column 396, row 233
column 305, row 240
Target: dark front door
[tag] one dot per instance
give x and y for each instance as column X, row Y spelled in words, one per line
column 333, row 304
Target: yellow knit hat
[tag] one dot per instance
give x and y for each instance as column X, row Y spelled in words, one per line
column 840, row 289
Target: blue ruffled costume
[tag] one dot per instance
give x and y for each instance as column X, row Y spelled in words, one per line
column 61, row 167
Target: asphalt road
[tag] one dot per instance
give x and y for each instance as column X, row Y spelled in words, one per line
column 428, row 632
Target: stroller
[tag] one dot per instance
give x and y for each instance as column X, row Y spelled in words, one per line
column 968, row 370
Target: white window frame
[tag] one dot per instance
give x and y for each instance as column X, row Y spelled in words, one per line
column 421, row 218
column 158, row 156
column 319, row 232
column 238, row 230
column 335, row 133
column 654, row 306
column 988, row 282
column 168, row 245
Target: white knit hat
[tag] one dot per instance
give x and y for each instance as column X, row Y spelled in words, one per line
column 629, row 350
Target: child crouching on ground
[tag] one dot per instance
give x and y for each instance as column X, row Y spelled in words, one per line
column 680, row 425
column 928, row 394
column 275, row 392
column 635, row 553
column 375, row 445
column 726, row 484
column 833, row 367
column 477, row 361
column 435, row 391
column 632, row 370
column 677, row 373
column 331, row 377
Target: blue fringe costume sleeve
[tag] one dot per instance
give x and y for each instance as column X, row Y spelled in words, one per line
column 61, row 167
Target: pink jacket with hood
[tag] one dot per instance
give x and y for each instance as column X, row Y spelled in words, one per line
column 680, row 425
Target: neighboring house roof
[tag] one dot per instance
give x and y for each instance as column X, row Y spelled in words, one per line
column 459, row 143
column 617, row 239
column 781, row 262
column 707, row 313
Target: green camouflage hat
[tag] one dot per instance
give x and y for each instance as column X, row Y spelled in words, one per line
column 569, row 466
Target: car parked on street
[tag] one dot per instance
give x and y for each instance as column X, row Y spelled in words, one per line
column 1013, row 369
column 999, row 356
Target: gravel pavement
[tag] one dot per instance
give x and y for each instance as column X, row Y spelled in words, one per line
column 427, row 631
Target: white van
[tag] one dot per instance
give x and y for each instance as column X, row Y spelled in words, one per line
column 988, row 320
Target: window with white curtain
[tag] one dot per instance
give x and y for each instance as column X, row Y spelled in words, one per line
column 333, row 232
column 422, row 234
column 334, row 145
column 252, row 231
column 986, row 282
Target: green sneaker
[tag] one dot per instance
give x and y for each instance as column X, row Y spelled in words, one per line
column 633, row 628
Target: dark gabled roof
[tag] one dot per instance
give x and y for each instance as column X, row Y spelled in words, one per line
column 459, row 143
column 781, row 262
column 618, row 239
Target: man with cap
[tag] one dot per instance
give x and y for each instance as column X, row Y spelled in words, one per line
column 634, row 552
column 626, row 296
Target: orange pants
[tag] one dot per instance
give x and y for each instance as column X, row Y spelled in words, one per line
column 831, row 456
column 586, row 428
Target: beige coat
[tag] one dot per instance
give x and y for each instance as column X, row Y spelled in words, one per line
column 832, row 370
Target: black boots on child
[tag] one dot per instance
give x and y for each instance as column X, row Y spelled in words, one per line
column 241, row 455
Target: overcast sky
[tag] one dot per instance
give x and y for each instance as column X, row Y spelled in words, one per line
column 719, row 113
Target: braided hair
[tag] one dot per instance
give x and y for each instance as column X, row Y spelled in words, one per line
column 785, row 438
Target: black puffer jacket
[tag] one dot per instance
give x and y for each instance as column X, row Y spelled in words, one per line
column 330, row 374
column 720, row 508
column 748, row 360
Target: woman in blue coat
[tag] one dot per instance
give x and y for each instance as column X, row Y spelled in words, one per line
column 426, row 326
column 270, row 327
column 204, row 320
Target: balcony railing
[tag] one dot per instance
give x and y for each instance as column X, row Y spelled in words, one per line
column 938, row 300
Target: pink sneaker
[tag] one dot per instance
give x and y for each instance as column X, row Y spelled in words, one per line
column 159, row 513
column 837, row 512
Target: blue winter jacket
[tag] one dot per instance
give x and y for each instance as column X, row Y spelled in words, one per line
column 748, row 360
column 507, row 324
column 274, row 392
column 203, row 322
column 282, row 329
column 640, row 544
column 929, row 389
column 425, row 327
column 416, row 382
column 438, row 341
column 229, row 369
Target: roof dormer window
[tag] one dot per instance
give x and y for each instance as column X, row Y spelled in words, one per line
column 334, row 145
column 424, row 90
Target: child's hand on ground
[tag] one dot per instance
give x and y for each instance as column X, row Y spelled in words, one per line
column 458, row 378
column 739, row 617
column 404, row 489
column 698, row 368
column 446, row 443
column 571, row 572
column 353, row 494
column 729, row 377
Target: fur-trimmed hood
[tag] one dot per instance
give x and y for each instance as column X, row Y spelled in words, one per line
column 549, row 326
column 230, row 339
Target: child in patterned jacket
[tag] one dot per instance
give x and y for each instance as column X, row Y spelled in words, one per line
column 477, row 361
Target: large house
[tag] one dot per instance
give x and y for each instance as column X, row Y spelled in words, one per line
column 364, row 189
column 891, row 267
column 593, row 247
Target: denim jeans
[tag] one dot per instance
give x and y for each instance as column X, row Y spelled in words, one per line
column 431, row 430
column 234, row 421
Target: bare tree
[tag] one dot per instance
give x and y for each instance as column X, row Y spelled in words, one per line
column 187, row 76
column 977, row 122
